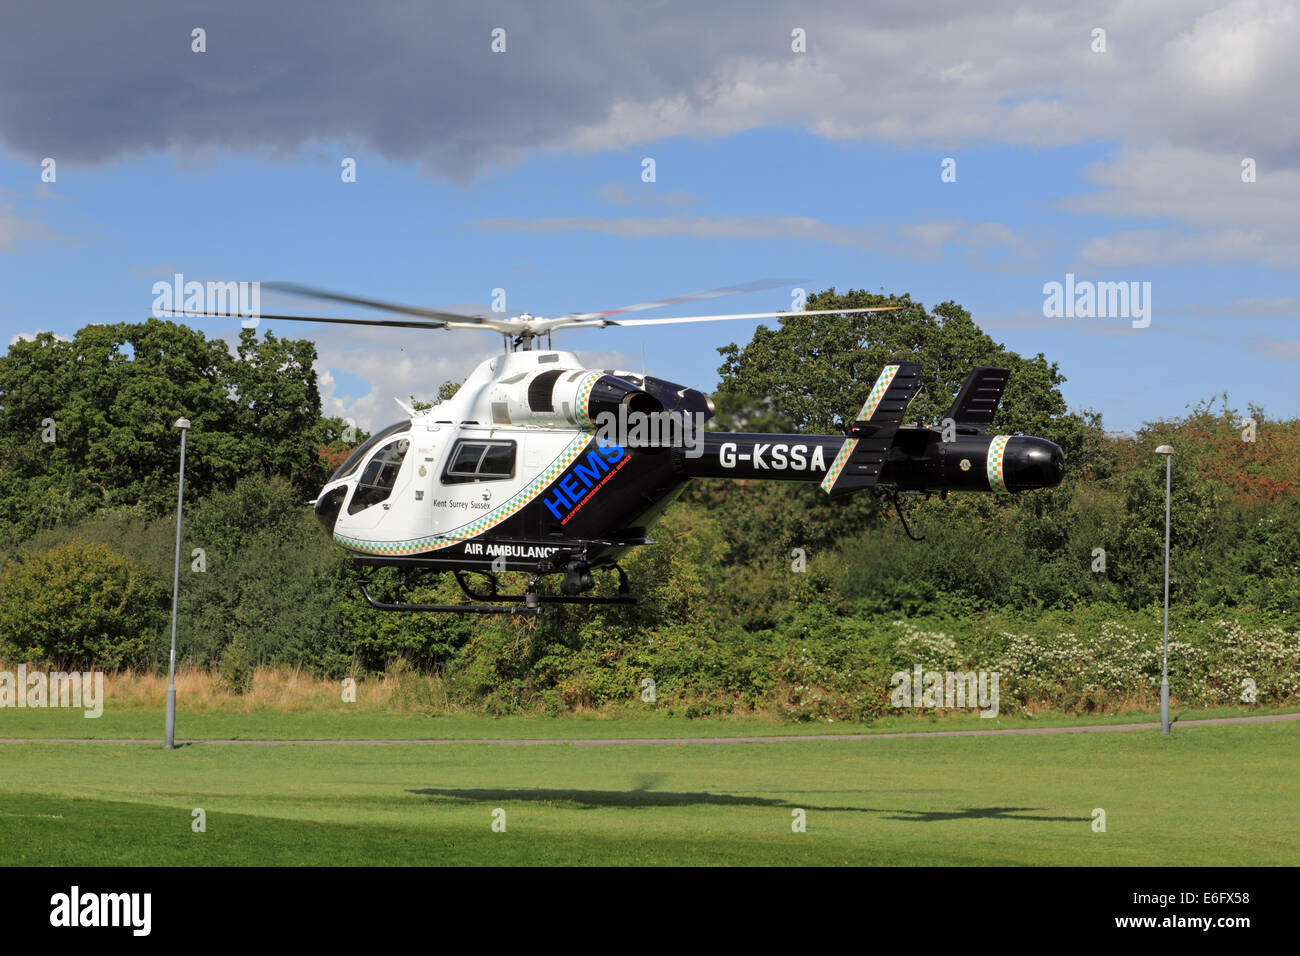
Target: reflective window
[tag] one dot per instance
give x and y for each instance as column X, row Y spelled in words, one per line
column 480, row 461
column 465, row 459
column 353, row 460
column 498, row 461
column 380, row 474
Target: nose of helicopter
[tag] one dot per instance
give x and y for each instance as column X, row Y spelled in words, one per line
column 328, row 505
column 1033, row 463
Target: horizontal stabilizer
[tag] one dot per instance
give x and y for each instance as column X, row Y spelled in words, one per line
column 862, row 456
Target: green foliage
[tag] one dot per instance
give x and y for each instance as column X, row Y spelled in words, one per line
column 373, row 639
column 814, row 372
column 760, row 597
column 1197, row 504
column 237, row 666
column 78, row 605
column 272, row 582
column 114, row 394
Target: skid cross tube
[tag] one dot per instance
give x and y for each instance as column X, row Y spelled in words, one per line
column 491, row 602
column 450, row 608
column 624, row 592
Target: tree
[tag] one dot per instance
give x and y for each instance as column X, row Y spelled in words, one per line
column 813, row 373
column 1196, row 511
column 278, row 412
column 79, row 605
column 269, row 587
column 90, row 422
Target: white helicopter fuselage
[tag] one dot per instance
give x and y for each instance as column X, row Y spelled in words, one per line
column 453, row 472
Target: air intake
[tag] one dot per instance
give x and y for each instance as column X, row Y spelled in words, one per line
column 539, row 391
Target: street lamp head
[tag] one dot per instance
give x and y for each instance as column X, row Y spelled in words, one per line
column 182, row 423
column 1165, row 450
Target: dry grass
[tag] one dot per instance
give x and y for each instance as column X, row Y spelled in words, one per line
column 1097, row 704
column 403, row 690
column 398, row 690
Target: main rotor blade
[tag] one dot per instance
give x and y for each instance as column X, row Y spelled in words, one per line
column 396, row 323
column 755, row 286
column 293, row 288
column 674, row 320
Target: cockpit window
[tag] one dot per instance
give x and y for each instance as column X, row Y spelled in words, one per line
column 353, row 461
column 480, row 461
column 498, row 461
column 376, row 482
column 465, row 461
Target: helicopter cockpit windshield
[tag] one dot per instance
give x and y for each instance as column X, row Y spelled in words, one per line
column 353, row 461
column 380, row 474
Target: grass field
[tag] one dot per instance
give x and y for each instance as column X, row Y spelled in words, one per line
column 141, row 719
column 1203, row 795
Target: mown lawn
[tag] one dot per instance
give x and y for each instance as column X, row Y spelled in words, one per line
column 1205, row 795
column 342, row 722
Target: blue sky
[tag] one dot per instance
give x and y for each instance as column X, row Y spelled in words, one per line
column 766, row 166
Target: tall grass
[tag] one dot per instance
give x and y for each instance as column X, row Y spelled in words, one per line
column 400, row 689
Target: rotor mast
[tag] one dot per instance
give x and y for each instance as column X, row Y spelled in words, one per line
column 524, row 340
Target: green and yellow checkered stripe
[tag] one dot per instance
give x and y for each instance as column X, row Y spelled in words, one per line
column 584, row 396
column 997, row 450
column 868, row 409
column 479, row 525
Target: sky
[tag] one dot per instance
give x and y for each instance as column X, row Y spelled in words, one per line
column 972, row 155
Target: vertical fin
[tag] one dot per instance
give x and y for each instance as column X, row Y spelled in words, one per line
column 977, row 401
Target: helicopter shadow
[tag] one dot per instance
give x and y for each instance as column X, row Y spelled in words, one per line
column 645, row 798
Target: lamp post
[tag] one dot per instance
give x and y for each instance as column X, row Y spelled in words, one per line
column 183, row 424
column 1168, row 452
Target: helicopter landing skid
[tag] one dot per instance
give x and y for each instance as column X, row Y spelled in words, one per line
column 530, row 602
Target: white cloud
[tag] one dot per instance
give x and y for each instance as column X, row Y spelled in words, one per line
column 1109, row 328
column 1221, row 218
column 1281, row 307
column 1194, row 73
column 594, row 76
column 1171, row 247
column 395, row 364
column 1185, row 89
column 31, row 337
column 14, row 229
column 989, row 243
column 617, row 194
column 1274, row 348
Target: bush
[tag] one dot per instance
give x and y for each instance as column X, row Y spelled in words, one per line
column 270, row 584
column 79, row 605
column 237, row 667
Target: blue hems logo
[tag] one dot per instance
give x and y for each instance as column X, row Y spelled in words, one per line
column 574, row 488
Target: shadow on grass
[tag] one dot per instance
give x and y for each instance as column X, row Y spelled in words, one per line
column 645, row 798
column 981, row 813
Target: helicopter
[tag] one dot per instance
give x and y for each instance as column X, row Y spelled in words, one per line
column 540, row 465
